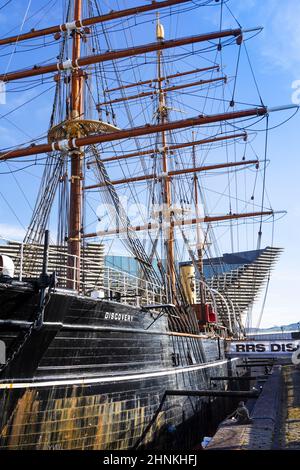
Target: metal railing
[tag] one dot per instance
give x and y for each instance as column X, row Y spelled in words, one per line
column 219, row 301
column 96, row 279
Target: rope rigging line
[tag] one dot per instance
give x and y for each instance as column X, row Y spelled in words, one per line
column 21, row 29
column 145, row 169
column 264, row 182
column 98, row 78
column 5, row 4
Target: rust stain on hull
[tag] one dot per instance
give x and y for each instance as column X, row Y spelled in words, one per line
column 72, row 422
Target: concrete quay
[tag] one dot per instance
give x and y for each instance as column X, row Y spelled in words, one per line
column 288, row 427
column 275, row 417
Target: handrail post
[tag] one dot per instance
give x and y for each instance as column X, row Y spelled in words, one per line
column 45, row 253
column 21, row 261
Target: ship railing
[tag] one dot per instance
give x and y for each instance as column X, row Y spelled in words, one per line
column 115, row 284
column 97, row 280
column 225, row 315
column 130, row 288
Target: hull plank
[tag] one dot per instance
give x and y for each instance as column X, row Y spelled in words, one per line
column 100, row 416
column 95, row 380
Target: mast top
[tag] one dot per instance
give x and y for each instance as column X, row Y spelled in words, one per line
column 160, row 31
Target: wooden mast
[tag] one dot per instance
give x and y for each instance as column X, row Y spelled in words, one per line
column 76, row 139
column 166, row 182
column 199, row 233
column 75, row 215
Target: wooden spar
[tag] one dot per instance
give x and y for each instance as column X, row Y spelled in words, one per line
column 163, row 79
column 75, row 211
column 172, row 147
column 173, row 173
column 177, row 223
column 91, row 21
column 164, row 90
column 134, row 132
column 119, row 54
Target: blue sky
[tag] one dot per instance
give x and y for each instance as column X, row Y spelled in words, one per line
column 276, row 60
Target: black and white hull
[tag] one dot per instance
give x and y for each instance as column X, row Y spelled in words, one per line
column 94, row 375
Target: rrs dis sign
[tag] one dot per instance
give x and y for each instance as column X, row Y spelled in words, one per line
column 263, row 348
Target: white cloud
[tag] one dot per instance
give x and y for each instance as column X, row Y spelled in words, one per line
column 279, row 42
column 281, row 31
column 11, row 232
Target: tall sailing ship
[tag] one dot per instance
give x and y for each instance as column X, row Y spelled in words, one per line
column 127, row 296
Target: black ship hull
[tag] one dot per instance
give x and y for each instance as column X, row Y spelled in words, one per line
column 94, row 375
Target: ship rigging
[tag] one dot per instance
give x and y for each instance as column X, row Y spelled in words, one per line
column 76, row 133
column 150, row 162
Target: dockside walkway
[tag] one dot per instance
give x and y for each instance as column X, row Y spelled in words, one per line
column 287, row 435
column 275, row 415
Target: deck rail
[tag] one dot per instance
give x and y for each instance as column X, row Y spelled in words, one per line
column 97, row 280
